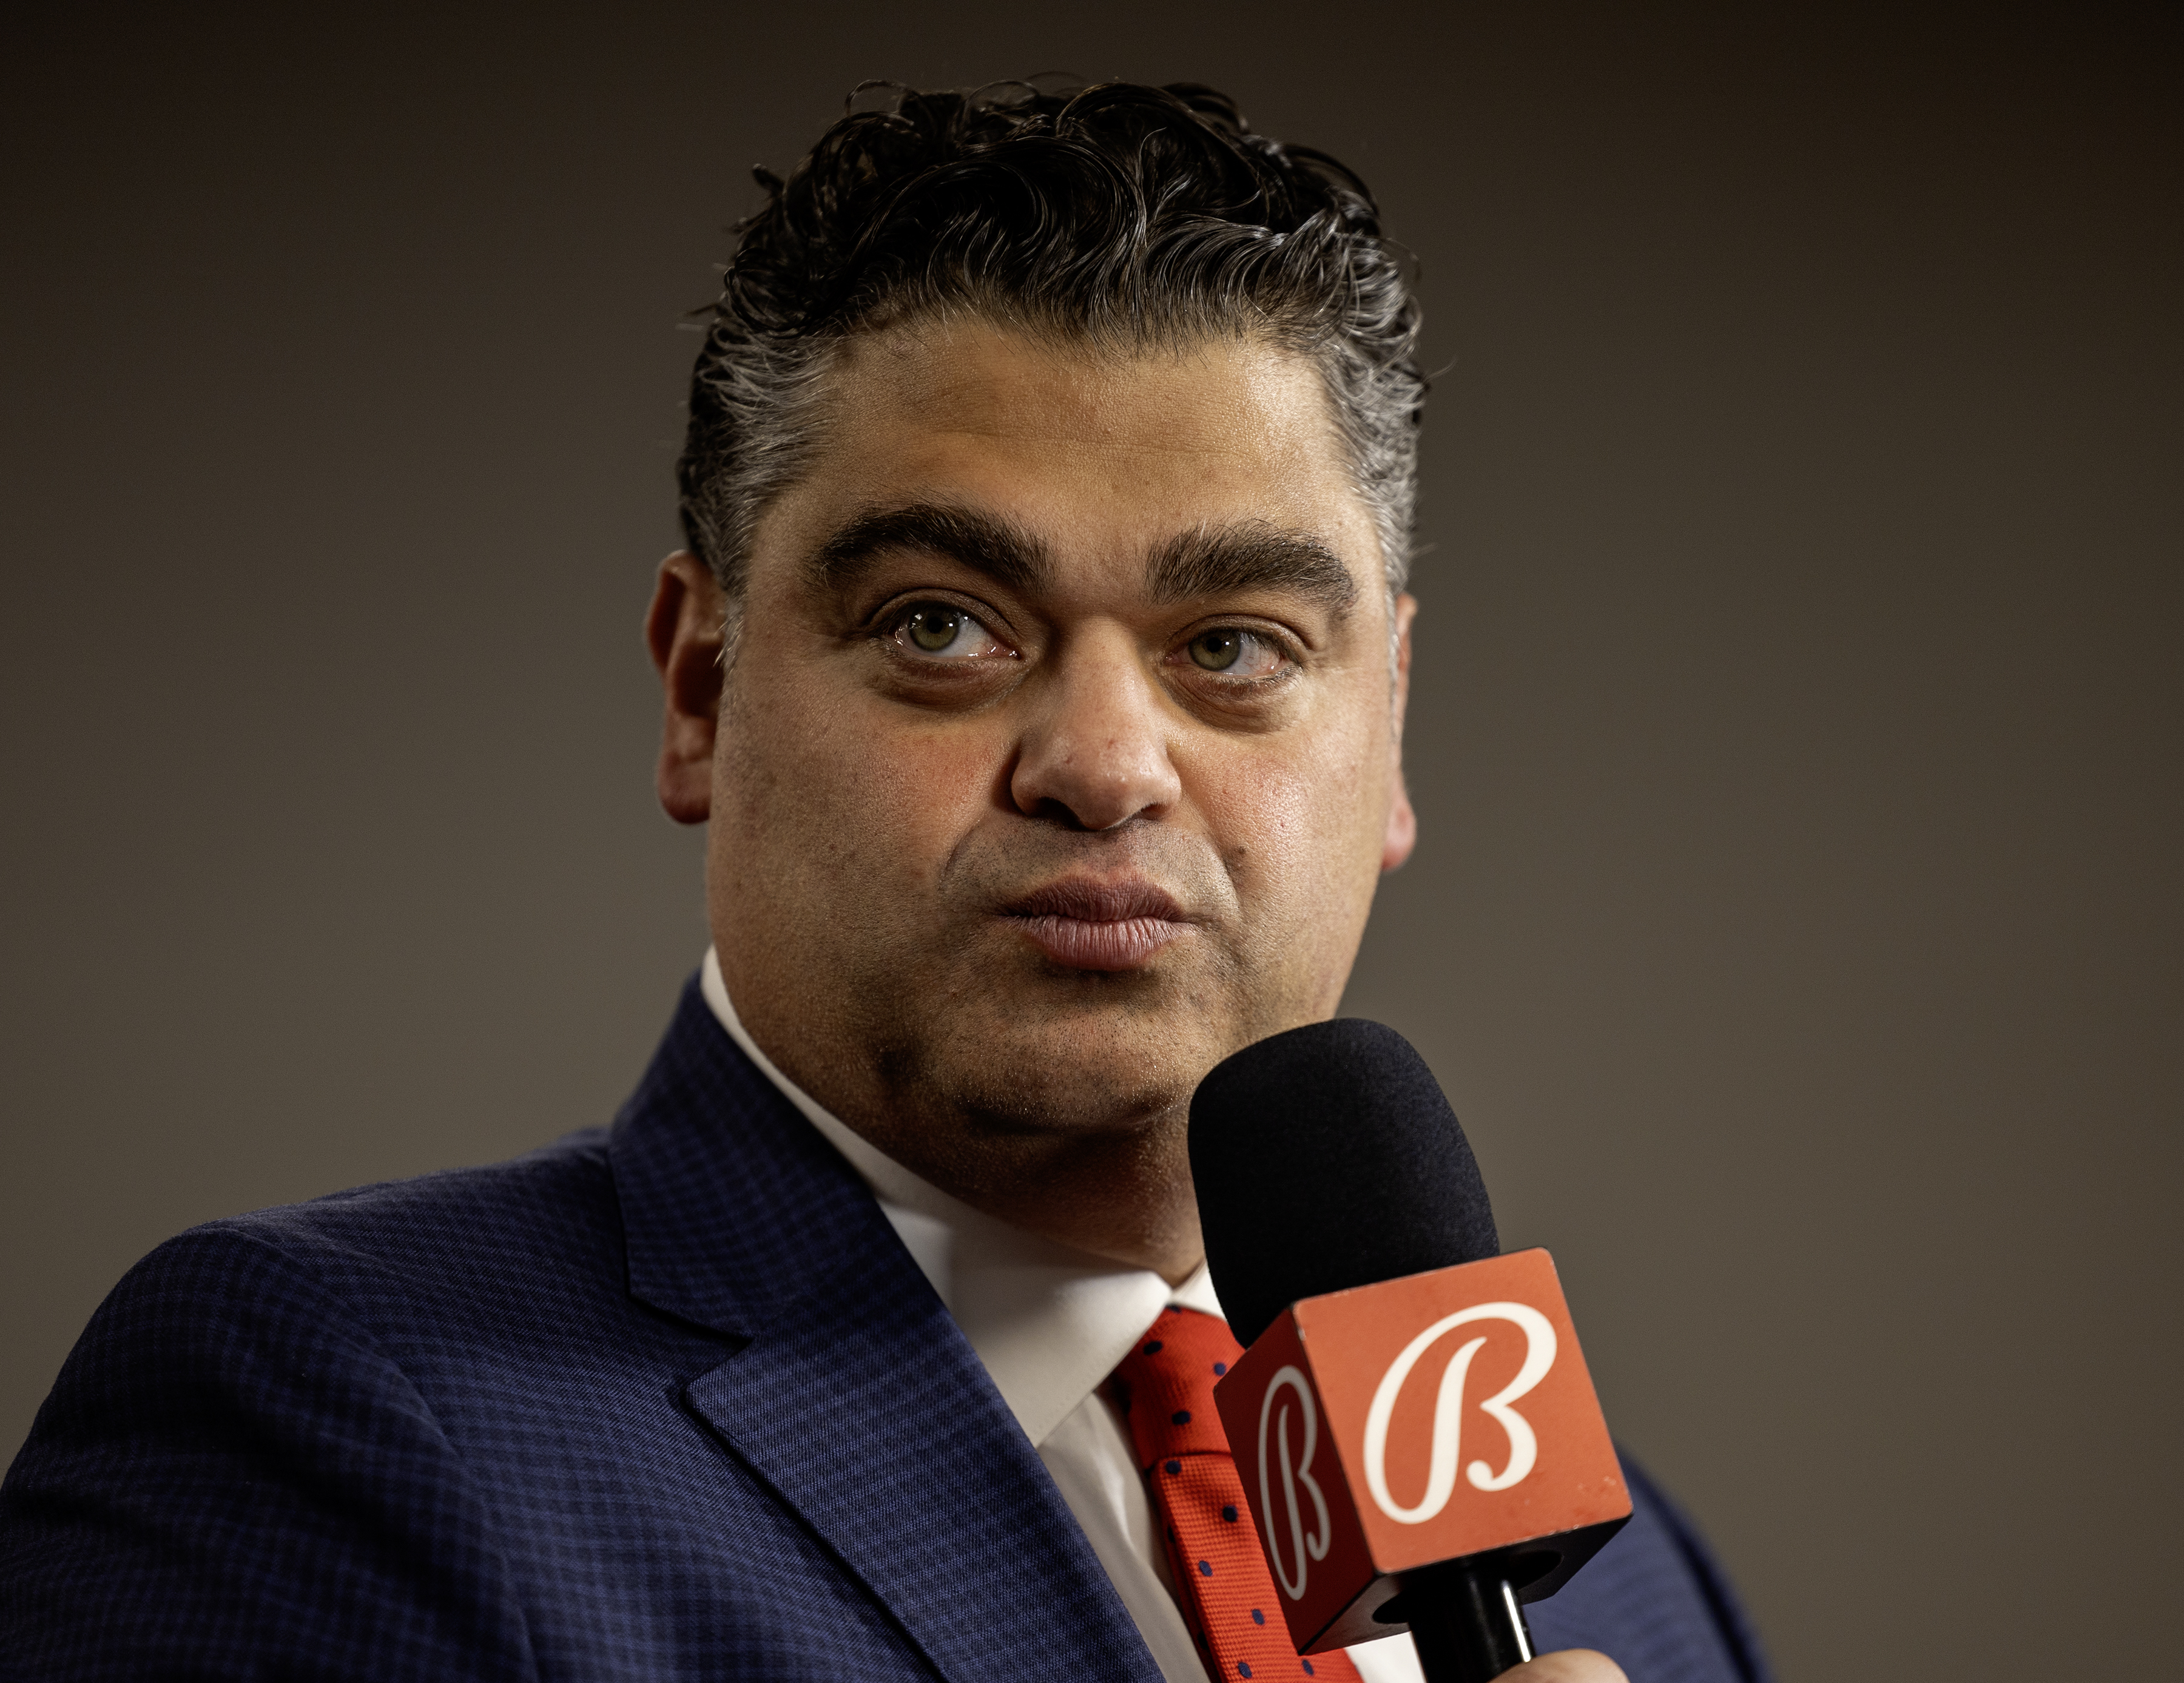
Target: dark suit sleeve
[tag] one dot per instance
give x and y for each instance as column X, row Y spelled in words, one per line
column 233, row 1480
column 1738, row 1640
column 1654, row 1601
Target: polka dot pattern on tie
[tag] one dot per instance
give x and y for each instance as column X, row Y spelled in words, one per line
column 1166, row 1385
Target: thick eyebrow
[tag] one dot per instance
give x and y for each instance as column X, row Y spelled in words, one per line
column 1222, row 560
column 1003, row 552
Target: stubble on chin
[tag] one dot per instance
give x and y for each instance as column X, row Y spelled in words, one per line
column 1068, row 1116
column 973, row 1029
column 1001, row 1043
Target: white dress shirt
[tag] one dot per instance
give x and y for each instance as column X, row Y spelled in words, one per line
column 1050, row 1324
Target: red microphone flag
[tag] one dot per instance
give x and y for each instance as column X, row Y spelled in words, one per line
column 1418, row 1420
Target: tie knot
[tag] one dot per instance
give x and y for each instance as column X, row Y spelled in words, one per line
column 1167, row 1384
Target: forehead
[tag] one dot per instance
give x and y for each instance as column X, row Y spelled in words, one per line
column 1102, row 453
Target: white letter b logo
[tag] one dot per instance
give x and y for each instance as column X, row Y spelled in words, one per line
column 1302, row 1548
column 1448, row 1414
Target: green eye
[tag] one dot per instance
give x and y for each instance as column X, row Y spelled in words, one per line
column 933, row 627
column 1218, row 650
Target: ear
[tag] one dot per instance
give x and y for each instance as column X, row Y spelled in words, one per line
column 1402, row 822
column 682, row 632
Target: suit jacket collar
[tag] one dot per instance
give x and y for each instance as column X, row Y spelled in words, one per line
column 732, row 1203
column 854, row 1397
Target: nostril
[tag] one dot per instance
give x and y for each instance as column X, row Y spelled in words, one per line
column 1059, row 813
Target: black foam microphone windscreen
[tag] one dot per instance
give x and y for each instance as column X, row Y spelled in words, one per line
column 1326, row 1158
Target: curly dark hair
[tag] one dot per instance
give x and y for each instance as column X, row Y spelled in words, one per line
column 1121, row 214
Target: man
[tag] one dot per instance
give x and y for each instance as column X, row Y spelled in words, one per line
column 1038, row 663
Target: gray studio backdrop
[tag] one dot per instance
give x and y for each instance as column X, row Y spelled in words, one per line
column 1795, row 925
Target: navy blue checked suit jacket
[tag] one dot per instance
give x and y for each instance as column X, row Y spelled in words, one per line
column 665, row 1400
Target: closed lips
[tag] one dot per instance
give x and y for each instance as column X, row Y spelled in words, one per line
column 1099, row 926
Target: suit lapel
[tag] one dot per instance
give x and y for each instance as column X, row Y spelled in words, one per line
column 856, row 1398
column 867, row 1411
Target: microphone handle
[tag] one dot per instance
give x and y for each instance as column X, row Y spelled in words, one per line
column 1465, row 1620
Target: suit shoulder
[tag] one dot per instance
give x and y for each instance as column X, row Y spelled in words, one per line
column 499, row 1243
column 566, row 1178
column 1655, row 1600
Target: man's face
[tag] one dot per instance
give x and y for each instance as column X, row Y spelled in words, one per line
column 1058, row 760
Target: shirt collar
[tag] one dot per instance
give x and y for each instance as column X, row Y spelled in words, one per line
column 1049, row 1323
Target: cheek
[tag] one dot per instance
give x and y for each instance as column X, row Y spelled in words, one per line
column 1298, row 823
column 920, row 790
column 834, row 800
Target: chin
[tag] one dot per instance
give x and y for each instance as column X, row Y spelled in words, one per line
column 1065, row 1073
column 1101, row 1061
column 1003, row 1037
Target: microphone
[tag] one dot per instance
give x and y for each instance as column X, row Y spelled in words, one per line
column 1389, row 1344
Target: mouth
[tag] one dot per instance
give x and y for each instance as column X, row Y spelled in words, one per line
column 1088, row 925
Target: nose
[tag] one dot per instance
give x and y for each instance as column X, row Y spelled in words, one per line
column 1096, row 750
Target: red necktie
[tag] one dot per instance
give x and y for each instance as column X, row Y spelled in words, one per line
column 1228, row 1594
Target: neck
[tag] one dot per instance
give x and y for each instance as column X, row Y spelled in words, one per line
column 1125, row 1196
